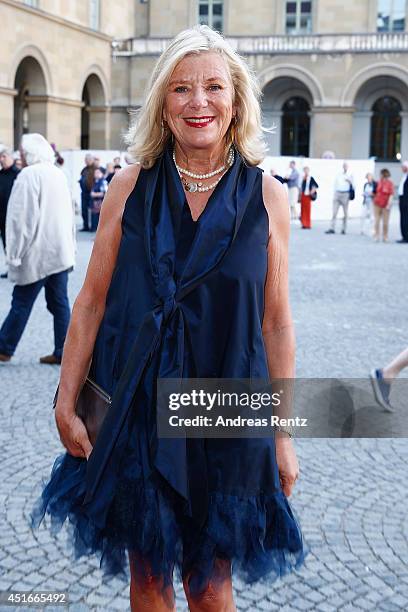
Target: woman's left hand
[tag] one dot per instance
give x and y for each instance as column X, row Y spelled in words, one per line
column 288, row 465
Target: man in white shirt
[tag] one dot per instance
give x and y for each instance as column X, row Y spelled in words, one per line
column 403, row 203
column 292, row 180
column 40, row 245
column 342, row 184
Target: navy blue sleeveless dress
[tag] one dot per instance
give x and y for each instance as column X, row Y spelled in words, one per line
column 190, row 297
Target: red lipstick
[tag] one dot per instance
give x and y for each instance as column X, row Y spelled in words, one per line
column 198, row 122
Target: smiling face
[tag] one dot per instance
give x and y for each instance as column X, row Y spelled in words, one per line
column 199, row 104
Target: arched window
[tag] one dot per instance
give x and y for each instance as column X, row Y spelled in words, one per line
column 295, row 127
column 385, row 139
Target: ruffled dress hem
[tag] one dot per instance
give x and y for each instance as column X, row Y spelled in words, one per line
column 260, row 534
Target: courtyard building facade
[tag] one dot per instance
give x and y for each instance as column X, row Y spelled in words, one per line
column 334, row 73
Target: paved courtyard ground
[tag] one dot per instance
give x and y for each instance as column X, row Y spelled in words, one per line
column 349, row 300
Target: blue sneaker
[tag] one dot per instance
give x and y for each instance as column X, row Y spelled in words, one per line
column 381, row 389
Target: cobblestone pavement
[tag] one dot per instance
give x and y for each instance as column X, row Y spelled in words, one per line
column 349, row 304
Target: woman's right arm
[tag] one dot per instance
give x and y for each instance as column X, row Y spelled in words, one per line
column 87, row 313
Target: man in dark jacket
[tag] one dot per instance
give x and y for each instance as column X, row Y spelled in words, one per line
column 403, row 203
column 86, row 183
column 8, row 174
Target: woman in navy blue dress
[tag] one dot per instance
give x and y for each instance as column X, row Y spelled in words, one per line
column 187, row 279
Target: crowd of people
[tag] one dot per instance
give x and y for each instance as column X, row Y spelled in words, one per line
column 377, row 198
column 94, row 182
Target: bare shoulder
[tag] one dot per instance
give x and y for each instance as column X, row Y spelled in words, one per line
column 125, row 180
column 119, row 189
column 276, row 203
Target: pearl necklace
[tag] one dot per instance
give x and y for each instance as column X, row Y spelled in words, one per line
column 192, row 186
column 208, row 174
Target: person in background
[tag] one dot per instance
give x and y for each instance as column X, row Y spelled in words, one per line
column 17, row 161
column 8, row 175
column 86, row 181
column 110, row 171
column 308, row 194
column 99, row 189
column 382, row 378
column 279, row 178
column 384, row 194
column 403, row 203
column 97, row 164
column 292, row 179
column 40, row 239
column 116, row 161
column 367, row 210
column 343, row 183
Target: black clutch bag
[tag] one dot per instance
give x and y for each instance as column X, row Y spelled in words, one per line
column 92, row 407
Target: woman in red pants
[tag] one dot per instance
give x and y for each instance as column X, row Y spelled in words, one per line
column 308, row 194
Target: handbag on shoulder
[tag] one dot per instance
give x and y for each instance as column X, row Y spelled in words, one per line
column 92, row 407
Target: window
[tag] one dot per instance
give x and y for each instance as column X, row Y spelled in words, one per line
column 298, row 17
column 385, row 138
column 33, row 3
column 210, row 12
column 391, row 16
column 295, row 127
column 94, row 14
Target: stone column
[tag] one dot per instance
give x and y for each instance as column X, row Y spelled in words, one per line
column 119, row 123
column 98, row 127
column 7, row 116
column 64, row 122
column 332, row 130
column 360, row 144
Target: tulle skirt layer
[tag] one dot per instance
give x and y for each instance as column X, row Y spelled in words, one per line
column 259, row 534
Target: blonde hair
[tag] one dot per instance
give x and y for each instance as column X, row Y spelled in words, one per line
column 147, row 135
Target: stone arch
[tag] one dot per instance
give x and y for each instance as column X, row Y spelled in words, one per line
column 367, row 87
column 100, row 81
column 277, row 94
column 31, row 51
column 32, row 82
column 291, row 71
column 94, row 113
column 385, row 69
column 378, row 87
